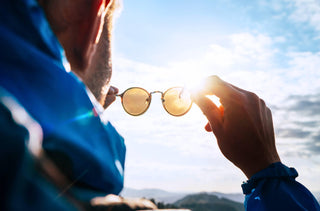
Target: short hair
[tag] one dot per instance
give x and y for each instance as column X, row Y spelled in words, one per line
column 114, row 8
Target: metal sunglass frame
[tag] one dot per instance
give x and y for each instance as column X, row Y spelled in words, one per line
column 150, row 98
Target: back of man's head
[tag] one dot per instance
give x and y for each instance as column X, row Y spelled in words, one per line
column 76, row 23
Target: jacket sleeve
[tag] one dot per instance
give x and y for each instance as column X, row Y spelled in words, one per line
column 275, row 188
column 22, row 185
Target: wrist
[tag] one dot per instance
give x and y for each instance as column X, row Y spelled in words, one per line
column 273, row 171
column 257, row 166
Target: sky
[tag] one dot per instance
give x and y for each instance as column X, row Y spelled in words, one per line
column 270, row 47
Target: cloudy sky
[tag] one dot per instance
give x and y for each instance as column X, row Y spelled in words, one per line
column 270, row 47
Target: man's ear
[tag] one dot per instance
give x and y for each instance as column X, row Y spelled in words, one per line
column 85, row 22
column 77, row 10
column 108, row 3
column 76, row 24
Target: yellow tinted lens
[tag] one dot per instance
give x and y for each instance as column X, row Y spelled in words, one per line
column 135, row 101
column 177, row 101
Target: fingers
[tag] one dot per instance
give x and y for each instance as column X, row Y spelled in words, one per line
column 225, row 91
column 114, row 202
column 228, row 94
column 106, row 200
column 113, row 90
column 140, row 204
column 244, row 130
column 208, row 127
column 212, row 112
column 111, row 96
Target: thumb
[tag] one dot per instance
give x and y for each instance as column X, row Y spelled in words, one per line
column 208, row 127
column 211, row 111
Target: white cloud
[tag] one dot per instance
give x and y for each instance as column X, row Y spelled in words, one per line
column 168, row 174
column 306, row 11
column 280, row 39
column 246, row 60
column 250, row 48
column 303, row 72
column 276, row 5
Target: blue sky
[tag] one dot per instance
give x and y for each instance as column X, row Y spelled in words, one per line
column 268, row 47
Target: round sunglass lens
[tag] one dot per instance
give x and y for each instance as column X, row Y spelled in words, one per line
column 177, row 101
column 135, row 101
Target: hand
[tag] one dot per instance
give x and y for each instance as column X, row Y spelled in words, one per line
column 114, row 202
column 111, row 96
column 243, row 125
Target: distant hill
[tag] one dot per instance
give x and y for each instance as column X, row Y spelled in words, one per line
column 196, row 201
column 171, row 197
column 208, row 202
column 237, row 197
column 157, row 194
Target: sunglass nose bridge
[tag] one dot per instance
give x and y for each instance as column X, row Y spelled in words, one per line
column 159, row 93
column 156, row 92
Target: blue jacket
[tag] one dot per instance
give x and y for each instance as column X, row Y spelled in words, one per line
column 275, row 188
column 23, row 185
column 31, row 69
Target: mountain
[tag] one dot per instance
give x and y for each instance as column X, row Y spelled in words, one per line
column 198, row 201
column 157, row 194
column 237, row 197
column 208, row 202
column 171, row 197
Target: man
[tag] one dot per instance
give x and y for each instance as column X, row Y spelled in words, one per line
column 35, row 38
column 90, row 153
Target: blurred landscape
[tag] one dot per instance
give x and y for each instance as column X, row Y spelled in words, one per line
column 203, row 201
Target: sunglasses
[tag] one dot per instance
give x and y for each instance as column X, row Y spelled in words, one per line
column 176, row 100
